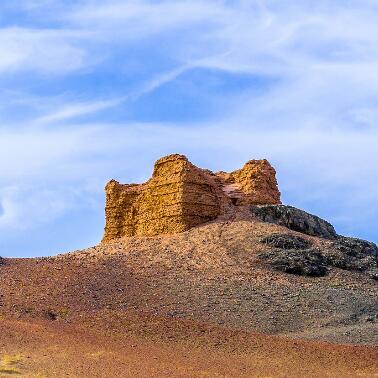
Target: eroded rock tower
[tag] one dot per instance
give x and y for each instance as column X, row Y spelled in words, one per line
column 180, row 195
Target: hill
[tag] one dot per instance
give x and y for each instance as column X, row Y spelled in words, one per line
column 236, row 295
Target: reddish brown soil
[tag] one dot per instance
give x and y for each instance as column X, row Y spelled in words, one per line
column 195, row 304
column 52, row 349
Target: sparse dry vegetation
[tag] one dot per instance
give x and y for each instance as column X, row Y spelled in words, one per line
column 8, row 364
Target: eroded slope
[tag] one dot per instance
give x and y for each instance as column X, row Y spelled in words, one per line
column 224, row 273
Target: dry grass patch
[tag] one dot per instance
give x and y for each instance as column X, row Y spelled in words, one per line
column 8, row 364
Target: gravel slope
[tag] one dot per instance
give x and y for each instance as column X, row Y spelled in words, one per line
column 212, row 274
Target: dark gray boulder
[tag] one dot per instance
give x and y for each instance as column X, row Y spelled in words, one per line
column 293, row 254
column 286, row 241
column 373, row 273
column 309, row 262
column 294, row 219
column 353, row 254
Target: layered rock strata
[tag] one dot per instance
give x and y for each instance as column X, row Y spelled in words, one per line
column 180, row 195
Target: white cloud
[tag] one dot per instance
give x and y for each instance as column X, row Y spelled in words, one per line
column 25, row 208
column 35, row 154
column 47, row 51
column 255, row 36
column 146, row 17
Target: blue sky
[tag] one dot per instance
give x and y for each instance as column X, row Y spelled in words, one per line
column 93, row 90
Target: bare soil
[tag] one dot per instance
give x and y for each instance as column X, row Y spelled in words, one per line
column 52, row 349
column 196, row 304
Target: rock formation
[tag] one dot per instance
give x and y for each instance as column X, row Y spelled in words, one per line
column 294, row 219
column 296, row 255
column 180, row 195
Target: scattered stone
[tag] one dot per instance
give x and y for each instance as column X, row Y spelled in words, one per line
column 353, row 254
column 294, row 219
column 291, row 255
column 51, row 315
column 373, row 274
column 286, row 241
column 299, row 262
column 2, row 261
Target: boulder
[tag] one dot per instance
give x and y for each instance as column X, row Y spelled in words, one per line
column 294, row 219
column 353, row 254
column 286, row 241
column 293, row 254
column 308, row 262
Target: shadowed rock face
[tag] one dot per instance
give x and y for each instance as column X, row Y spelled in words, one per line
column 180, row 195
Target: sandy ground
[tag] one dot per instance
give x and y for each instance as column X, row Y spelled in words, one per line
column 196, row 304
column 52, row 349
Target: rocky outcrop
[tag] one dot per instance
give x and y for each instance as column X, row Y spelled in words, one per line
column 308, row 262
column 294, row 219
column 354, row 254
column 285, row 241
column 255, row 183
column 295, row 255
column 177, row 197
column 180, row 195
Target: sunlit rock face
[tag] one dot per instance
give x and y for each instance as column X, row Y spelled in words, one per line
column 180, row 195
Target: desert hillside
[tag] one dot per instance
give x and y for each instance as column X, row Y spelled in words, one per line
column 234, row 295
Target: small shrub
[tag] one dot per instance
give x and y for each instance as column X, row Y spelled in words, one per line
column 61, row 313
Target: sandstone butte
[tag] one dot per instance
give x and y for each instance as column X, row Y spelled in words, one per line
column 180, row 196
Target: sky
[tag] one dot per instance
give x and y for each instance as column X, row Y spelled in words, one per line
column 92, row 90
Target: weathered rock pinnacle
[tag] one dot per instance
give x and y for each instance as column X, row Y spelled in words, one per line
column 180, row 195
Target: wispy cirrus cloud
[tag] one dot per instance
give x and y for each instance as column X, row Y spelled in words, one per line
column 157, row 16
column 70, row 111
column 46, row 51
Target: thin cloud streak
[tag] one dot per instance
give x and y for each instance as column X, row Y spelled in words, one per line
column 76, row 110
